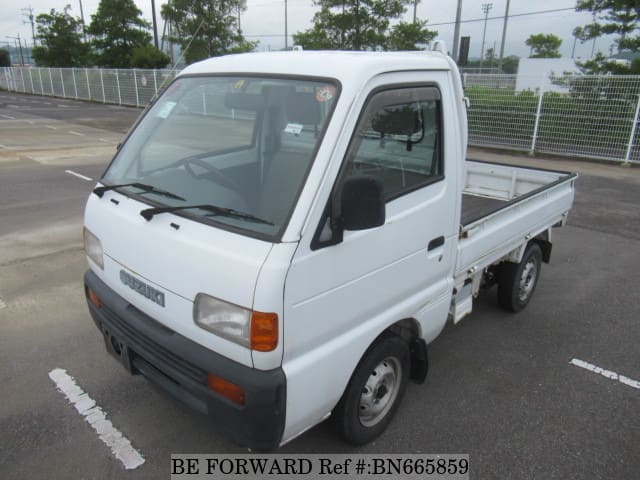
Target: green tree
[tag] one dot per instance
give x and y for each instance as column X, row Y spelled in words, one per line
column 510, row 64
column 616, row 17
column 490, row 57
column 117, row 29
column 60, row 37
column 408, row 36
column 207, row 28
column 601, row 65
column 352, row 25
column 149, row 56
column 5, row 58
column 544, row 45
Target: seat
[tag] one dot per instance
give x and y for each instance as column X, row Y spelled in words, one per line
column 290, row 161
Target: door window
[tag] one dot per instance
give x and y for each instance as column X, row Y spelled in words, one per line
column 398, row 140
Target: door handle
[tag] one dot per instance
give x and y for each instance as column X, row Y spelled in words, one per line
column 435, row 243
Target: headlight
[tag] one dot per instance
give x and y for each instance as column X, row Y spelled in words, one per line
column 223, row 319
column 93, row 248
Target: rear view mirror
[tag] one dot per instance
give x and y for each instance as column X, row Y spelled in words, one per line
column 362, row 203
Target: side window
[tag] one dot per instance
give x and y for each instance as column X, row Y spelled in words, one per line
column 398, row 140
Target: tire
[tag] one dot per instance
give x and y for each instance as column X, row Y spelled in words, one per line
column 517, row 281
column 374, row 391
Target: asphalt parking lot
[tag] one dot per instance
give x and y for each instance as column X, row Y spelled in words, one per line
column 500, row 388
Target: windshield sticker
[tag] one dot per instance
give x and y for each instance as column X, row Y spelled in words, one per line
column 165, row 109
column 239, row 84
column 326, row 93
column 295, row 128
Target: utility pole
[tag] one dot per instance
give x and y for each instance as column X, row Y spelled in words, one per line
column 84, row 26
column 415, row 10
column 17, row 39
column 456, row 33
column 28, row 12
column 155, row 23
column 286, row 33
column 239, row 24
column 486, row 8
column 504, row 35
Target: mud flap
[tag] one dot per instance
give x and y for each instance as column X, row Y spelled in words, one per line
column 419, row 360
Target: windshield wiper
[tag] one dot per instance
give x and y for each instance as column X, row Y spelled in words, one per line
column 99, row 191
column 149, row 213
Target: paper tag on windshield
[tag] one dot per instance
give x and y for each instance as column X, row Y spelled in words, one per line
column 294, row 128
column 165, row 109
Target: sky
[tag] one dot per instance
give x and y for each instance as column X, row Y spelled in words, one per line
column 264, row 21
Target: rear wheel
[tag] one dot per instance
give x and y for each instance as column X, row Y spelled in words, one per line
column 374, row 391
column 517, row 281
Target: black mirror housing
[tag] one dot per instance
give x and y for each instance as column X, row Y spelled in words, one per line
column 362, row 203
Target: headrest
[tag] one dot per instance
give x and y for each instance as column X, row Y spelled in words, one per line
column 245, row 101
column 303, row 108
column 397, row 120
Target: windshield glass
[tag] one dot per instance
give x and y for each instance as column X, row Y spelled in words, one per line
column 240, row 143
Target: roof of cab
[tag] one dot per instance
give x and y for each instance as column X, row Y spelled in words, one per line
column 341, row 65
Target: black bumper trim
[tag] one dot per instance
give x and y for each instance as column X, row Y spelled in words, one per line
column 180, row 366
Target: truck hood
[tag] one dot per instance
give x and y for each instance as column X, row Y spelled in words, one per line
column 178, row 262
column 188, row 260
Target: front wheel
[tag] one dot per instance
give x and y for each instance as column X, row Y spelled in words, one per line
column 374, row 391
column 517, row 281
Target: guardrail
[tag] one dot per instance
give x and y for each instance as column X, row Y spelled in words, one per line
column 569, row 115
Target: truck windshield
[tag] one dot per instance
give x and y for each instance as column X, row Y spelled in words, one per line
column 240, row 143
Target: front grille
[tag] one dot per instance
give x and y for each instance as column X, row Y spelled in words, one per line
column 156, row 355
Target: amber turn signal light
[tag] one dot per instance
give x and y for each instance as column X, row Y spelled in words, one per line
column 94, row 298
column 225, row 388
column 264, row 331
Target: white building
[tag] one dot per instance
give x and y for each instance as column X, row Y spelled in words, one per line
column 533, row 71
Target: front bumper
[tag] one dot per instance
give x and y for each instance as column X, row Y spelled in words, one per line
column 180, row 366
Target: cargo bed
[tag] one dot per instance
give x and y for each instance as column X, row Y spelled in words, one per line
column 504, row 206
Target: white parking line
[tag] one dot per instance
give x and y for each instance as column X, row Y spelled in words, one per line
column 9, row 117
column 85, row 405
column 605, row 373
column 71, row 172
column 104, row 140
column 72, row 132
column 51, row 127
column 2, row 304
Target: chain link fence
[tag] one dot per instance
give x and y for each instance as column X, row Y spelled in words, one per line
column 571, row 115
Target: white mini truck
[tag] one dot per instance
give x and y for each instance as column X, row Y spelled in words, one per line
column 281, row 235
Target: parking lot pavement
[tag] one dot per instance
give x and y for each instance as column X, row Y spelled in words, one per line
column 501, row 387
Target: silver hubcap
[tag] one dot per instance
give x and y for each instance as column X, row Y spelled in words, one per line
column 380, row 391
column 528, row 280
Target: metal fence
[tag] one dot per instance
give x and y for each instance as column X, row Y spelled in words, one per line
column 570, row 115
column 116, row 86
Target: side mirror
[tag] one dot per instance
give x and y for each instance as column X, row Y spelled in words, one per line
column 362, row 203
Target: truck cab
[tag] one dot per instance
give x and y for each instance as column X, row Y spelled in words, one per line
column 281, row 235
